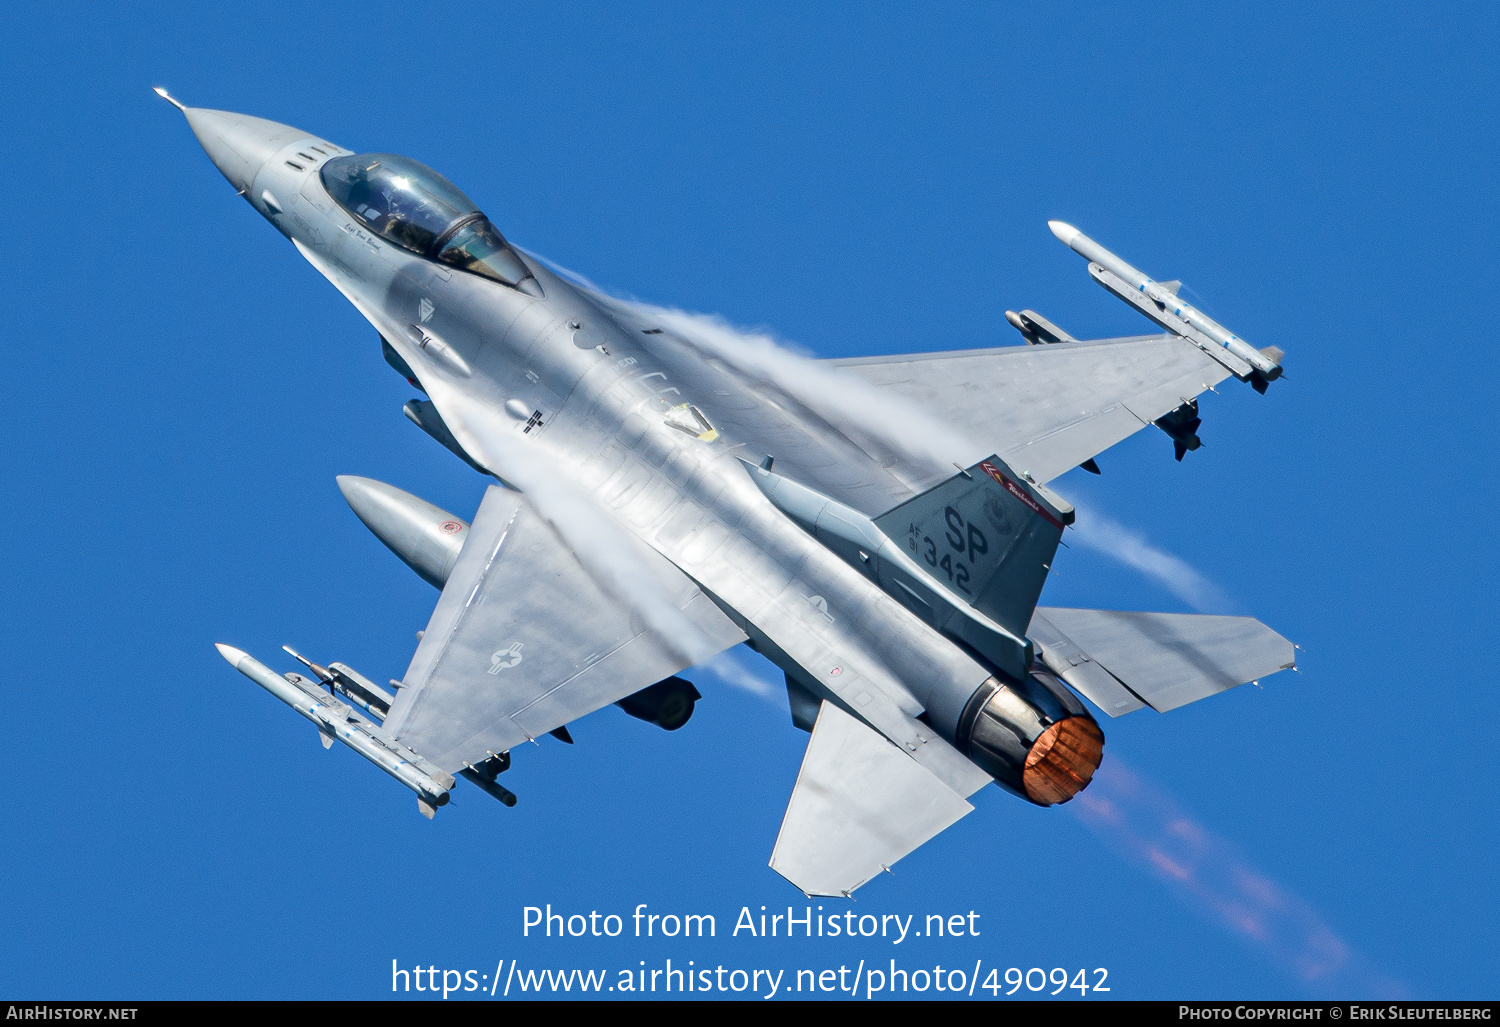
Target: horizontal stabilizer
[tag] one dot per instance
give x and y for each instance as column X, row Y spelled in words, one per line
column 1123, row 660
column 860, row 804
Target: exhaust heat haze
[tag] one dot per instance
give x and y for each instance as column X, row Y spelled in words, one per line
column 1149, row 827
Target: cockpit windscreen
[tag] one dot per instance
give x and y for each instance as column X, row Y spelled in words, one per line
column 403, row 201
column 479, row 247
column 419, row 210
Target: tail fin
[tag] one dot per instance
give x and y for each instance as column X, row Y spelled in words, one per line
column 986, row 535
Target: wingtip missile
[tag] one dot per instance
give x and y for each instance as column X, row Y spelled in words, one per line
column 1159, row 302
column 1064, row 231
column 337, row 722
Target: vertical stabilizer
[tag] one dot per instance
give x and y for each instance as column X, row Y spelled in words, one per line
column 986, row 535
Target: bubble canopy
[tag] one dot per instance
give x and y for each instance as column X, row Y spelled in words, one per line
column 416, row 208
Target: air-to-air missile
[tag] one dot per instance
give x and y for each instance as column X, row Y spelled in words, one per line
column 336, row 720
column 1159, row 301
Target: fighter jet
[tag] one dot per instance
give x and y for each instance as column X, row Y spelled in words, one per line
column 878, row 528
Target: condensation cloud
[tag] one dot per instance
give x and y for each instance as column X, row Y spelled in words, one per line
column 866, row 414
column 847, row 402
column 601, row 544
column 733, row 669
column 1107, row 536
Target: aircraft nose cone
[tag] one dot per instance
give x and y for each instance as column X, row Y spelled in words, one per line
column 237, row 143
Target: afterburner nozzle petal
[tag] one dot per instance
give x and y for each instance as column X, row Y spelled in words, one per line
column 1062, row 761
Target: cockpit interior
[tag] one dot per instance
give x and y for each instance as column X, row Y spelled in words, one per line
column 414, row 207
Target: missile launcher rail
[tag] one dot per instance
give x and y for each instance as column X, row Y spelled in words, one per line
column 1140, row 301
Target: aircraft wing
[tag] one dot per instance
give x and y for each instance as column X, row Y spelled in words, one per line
column 860, row 804
column 1123, row 660
column 1046, row 409
column 523, row 641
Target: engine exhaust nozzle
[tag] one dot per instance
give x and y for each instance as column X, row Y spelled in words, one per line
column 1062, row 761
column 1034, row 737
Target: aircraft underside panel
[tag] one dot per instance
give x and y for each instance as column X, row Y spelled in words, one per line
column 1047, row 409
column 1123, row 660
column 860, row 805
column 524, row 641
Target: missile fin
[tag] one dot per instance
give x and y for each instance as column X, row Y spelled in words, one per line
column 1171, row 286
column 326, row 737
column 426, row 808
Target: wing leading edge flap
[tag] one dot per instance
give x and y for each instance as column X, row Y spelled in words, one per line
column 523, row 640
column 860, row 804
column 1122, row 660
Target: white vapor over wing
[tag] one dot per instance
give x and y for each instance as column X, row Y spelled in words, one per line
column 1149, row 827
column 562, row 272
column 847, row 403
column 602, row 545
column 731, row 668
column 867, row 414
column 1125, row 545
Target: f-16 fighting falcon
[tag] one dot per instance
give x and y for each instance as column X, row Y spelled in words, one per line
column 878, row 528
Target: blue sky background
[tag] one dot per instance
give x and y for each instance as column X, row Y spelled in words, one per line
column 861, row 179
